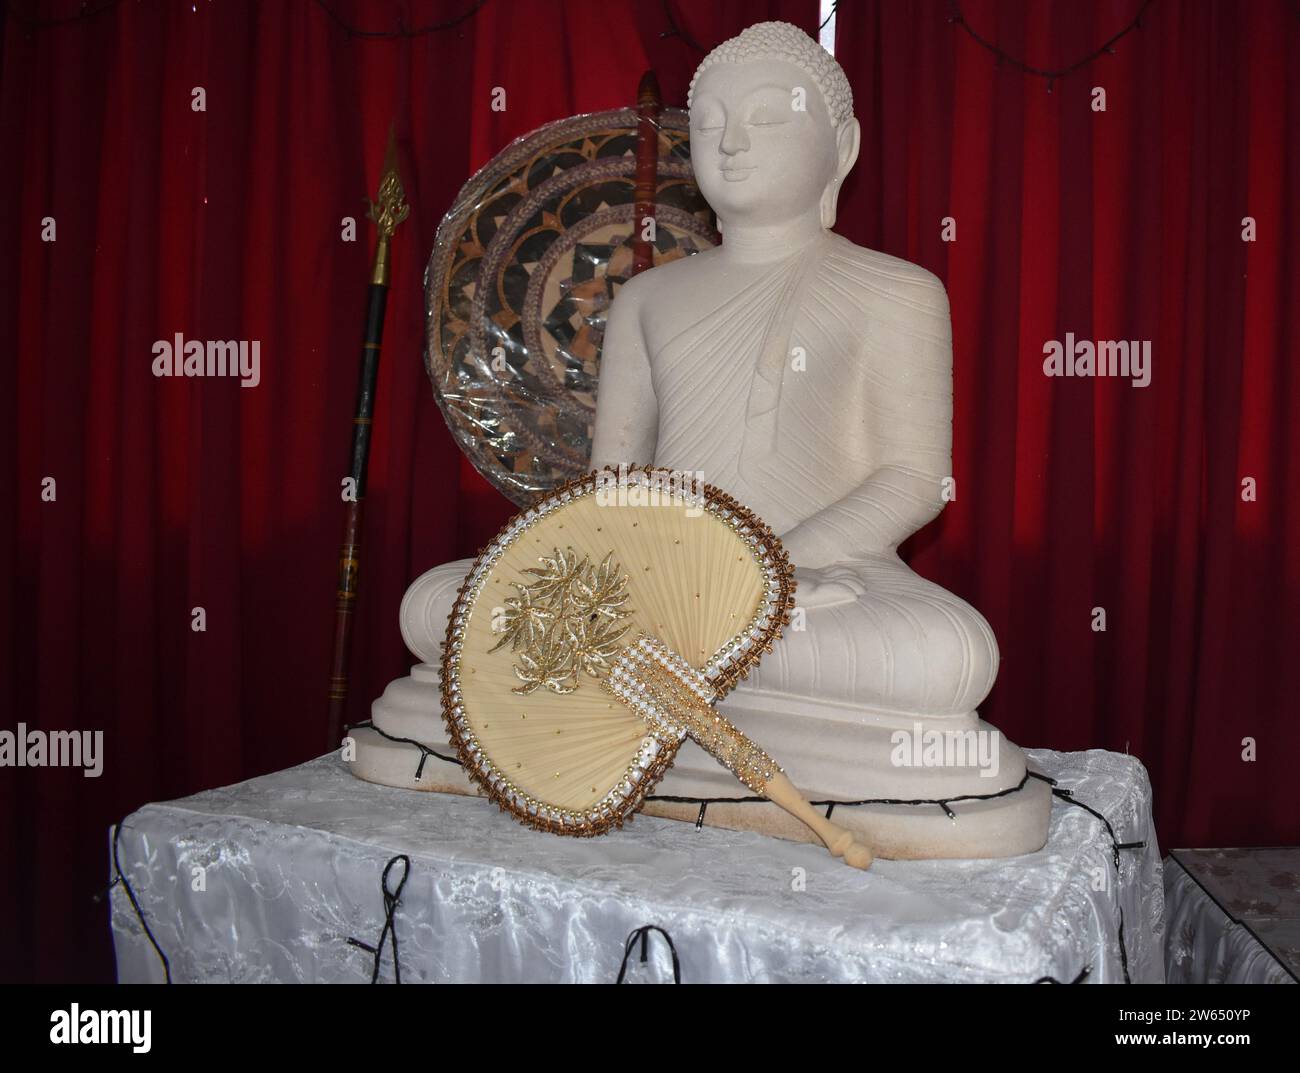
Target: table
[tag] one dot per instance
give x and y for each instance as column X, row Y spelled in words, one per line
column 267, row 880
column 1234, row 915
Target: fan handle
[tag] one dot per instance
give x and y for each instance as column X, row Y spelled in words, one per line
column 676, row 700
column 841, row 842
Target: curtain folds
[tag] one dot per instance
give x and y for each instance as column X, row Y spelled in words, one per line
column 1078, row 497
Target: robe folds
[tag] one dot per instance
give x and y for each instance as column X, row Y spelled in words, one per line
column 840, row 360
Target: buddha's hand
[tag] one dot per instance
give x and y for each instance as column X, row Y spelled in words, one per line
column 826, row 586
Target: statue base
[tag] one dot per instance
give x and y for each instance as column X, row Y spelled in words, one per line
column 949, row 787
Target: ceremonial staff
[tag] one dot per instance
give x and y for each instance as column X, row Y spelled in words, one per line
column 648, row 105
column 389, row 210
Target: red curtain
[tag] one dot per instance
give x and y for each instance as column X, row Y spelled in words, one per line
column 227, row 223
column 1078, row 494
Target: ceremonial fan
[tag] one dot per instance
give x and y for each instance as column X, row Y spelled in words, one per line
column 593, row 636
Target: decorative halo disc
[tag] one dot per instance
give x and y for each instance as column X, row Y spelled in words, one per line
column 524, row 268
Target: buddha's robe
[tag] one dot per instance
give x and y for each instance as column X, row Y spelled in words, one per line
column 820, row 395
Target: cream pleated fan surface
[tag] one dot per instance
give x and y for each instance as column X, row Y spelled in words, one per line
column 691, row 581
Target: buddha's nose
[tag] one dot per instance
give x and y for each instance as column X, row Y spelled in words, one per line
column 734, row 138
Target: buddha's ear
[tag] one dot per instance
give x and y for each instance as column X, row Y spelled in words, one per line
column 848, row 139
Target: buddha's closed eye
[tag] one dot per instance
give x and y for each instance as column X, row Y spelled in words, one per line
column 710, row 121
column 766, row 114
column 769, row 117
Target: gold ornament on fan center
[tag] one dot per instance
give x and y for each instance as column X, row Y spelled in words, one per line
column 566, row 622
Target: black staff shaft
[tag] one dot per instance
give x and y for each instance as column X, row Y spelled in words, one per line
column 363, row 421
column 350, row 551
column 387, row 212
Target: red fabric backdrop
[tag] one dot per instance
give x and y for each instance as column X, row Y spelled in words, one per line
column 175, row 494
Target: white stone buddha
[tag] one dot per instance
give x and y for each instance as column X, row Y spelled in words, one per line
column 811, row 379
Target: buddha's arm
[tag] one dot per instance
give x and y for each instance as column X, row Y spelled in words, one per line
column 627, row 415
column 910, row 415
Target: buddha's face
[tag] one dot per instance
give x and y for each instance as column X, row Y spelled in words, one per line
column 763, row 144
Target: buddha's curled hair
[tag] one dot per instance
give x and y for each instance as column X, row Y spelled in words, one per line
column 784, row 41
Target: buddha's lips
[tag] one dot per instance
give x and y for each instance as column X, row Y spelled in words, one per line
column 736, row 175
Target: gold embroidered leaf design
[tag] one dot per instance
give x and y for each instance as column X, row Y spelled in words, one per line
column 599, row 592
column 522, row 622
column 566, row 621
column 596, row 641
column 547, row 662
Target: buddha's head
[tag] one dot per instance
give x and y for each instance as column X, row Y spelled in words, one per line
column 772, row 127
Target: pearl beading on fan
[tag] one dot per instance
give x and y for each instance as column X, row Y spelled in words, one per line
column 677, row 700
column 722, row 671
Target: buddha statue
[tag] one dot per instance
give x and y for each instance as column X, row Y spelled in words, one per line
column 812, row 379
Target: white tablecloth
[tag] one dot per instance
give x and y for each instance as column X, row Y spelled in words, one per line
column 267, row 880
column 1206, row 945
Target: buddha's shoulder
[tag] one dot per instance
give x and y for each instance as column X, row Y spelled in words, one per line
column 672, row 276
column 881, row 275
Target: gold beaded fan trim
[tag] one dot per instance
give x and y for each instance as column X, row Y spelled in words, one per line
column 723, row 670
column 677, row 700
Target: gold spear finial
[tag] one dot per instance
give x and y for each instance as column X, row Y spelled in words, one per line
column 388, row 211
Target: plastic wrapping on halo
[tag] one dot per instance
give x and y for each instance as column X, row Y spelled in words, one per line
column 524, row 268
